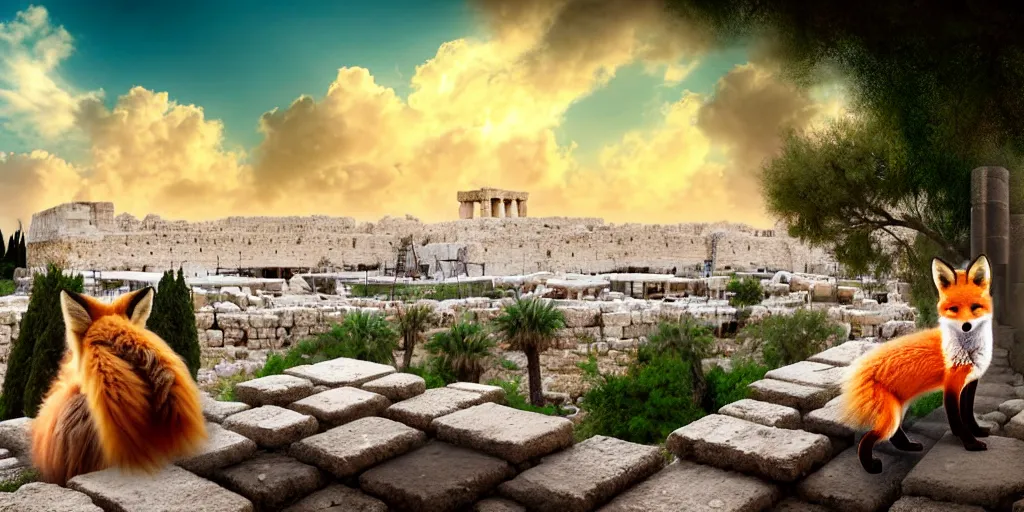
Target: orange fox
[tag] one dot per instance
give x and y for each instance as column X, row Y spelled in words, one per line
column 952, row 357
column 122, row 398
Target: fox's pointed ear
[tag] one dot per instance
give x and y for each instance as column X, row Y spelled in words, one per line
column 75, row 309
column 139, row 306
column 942, row 274
column 979, row 272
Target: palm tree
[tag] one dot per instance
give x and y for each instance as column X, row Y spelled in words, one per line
column 692, row 342
column 530, row 325
column 411, row 324
column 362, row 335
column 462, row 349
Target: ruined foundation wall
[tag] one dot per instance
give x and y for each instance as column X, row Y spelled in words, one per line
column 91, row 237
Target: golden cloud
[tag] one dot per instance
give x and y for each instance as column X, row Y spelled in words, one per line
column 481, row 113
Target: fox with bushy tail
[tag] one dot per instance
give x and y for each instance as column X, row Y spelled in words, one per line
column 881, row 384
column 122, row 397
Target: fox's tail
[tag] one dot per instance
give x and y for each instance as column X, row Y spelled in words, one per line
column 867, row 404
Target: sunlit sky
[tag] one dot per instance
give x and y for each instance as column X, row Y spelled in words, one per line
column 367, row 109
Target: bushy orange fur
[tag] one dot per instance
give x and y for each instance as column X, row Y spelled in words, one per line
column 122, row 398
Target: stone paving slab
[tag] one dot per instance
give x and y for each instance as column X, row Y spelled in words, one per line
column 843, row 354
column 498, row 505
column 842, row 483
column 795, row 505
column 490, row 393
column 991, row 478
column 350, row 448
column 826, row 421
column 223, row 448
column 15, row 435
column 584, row 476
column 397, row 386
column 338, row 498
column 171, row 490
column 216, row 410
column 420, row 411
column 684, row 486
column 341, row 372
column 514, row 435
column 272, row 426
column 919, row 504
column 809, row 374
column 270, row 480
column 41, row 497
column 279, row 390
column 764, row 413
column 338, row 406
column 438, row 477
column 798, row 396
column 734, row 444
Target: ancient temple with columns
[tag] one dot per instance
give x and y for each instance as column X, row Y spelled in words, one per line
column 492, row 202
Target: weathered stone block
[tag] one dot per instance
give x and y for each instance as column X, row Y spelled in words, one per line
column 216, row 410
column 581, row 317
column 489, row 393
column 438, row 477
column 272, row 426
column 341, row 405
column 397, row 386
column 499, row 505
column 341, row 372
column 826, row 421
column 584, row 476
column 615, row 319
column 42, row 497
column 214, row 338
column 115, row 491
column 684, row 485
column 346, row 450
column 919, row 504
column 514, row 435
column 15, row 435
column 270, row 480
column 843, row 354
column 993, row 478
column 338, row 498
column 420, row 411
column 731, row 443
column 764, row 413
column 795, row 505
column 1012, row 407
column 223, row 448
column 798, row 396
column 809, row 374
column 279, row 390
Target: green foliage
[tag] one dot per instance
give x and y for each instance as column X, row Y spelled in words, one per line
column 926, row 404
column 24, row 477
column 412, row 322
column 412, row 292
column 643, row 406
column 36, row 354
column 516, row 400
column 787, row 339
column 224, row 388
column 730, row 386
column 748, row 292
column 7, row 287
column 590, row 368
column 15, row 255
column 508, row 364
column 431, row 375
column 461, row 350
column 530, row 325
column 173, row 318
column 689, row 341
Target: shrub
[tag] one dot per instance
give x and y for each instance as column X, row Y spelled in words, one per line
column 174, row 319
column 461, row 350
column 643, row 406
column 516, row 400
column 729, row 386
column 508, row 364
column 36, row 354
column 787, row 339
column 7, row 287
column 747, row 292
column 530, row 325
column 431, row 376
column 689, row 341
column 412, row 322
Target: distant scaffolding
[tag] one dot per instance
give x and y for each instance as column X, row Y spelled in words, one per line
column 492, row 202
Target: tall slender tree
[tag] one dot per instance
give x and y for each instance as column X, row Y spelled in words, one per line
column 173, row 318
column 530, row 325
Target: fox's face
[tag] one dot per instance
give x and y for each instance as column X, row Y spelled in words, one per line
column 88, row 320
column 964, row 299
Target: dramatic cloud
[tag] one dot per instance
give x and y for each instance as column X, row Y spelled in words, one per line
column 481, row 113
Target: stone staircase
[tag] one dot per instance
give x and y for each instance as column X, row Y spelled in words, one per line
column 347, row 435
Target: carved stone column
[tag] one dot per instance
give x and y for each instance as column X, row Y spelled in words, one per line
column 500, row 203
column 512, row 208
column 465, row 210
column 522, row 208
column 485, row 208
column 990, row 229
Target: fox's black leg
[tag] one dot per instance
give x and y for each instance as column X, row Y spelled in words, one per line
column 864, row 449
column 902, row 442
column 951, row 400
column 967, row 410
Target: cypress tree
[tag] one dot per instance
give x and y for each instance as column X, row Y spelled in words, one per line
column 36, row 354
column 22, row 260
column 2, row 251
column 157, row 321
column 189, row 338
column 174, row 319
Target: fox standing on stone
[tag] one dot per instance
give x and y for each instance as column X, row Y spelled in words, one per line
column 122, row 397
column 952, row 357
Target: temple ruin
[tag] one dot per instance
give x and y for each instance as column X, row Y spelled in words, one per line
column 492, row 202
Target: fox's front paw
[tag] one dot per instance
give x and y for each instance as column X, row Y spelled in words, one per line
column 975, row 446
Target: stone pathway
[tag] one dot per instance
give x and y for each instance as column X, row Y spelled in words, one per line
column 347, row 435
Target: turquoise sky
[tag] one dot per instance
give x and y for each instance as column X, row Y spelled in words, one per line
column 239, row 59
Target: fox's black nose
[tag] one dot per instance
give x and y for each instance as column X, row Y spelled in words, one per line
column 966, row 327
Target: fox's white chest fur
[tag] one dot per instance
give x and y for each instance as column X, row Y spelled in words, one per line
column 973, row 347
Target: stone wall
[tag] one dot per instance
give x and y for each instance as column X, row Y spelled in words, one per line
column 90, row 236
